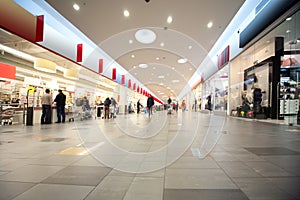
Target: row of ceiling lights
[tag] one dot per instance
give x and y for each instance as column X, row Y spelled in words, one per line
column 126, row 13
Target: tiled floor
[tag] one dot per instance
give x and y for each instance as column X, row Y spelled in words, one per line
column 179, row 156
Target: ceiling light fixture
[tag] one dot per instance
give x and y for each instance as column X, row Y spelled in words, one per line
column 157, row 58
column 209, row 25
column 130, row 41
column 288, row 19
column 161, row 76
column 145, row 36
column 126, row 13
column 44, row 65
column 288, row 31
column 76, row 6
column 182, row 60
column 169, row 19
column 190, row 47
column 162, row 44
column 143, row 66
column 175, row 81
column 132, row 56
column 71, row 74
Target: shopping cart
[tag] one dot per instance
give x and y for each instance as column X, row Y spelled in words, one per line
column 7, row 116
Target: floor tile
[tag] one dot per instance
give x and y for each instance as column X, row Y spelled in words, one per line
column 88, row 161
column 79, row 175
column 112, row 188
column 264, row 151
column 261, row 188
column 8, row 190
column 207, row 194
column 197, row 179
column 145, row 188
column 194, row 162
column 57, row 192
column 267, row 169
column 58, row 160
column 238, row 169
column 31, row 173
column 288, row 184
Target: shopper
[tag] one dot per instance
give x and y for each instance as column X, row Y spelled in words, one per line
column 60, row 100
column 150, row 103
column 46, row 107
column 114, row 107
column 107, row 103
column 138, row 106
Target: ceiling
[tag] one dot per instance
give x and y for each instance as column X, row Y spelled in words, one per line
column 186, row 37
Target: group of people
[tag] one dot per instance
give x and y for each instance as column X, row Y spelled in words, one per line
column 46, row 100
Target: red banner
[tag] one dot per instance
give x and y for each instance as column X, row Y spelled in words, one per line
column 7, row 71
column 100, row 67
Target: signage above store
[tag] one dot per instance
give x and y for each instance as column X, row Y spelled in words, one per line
column 7, row 71
column 223, row 58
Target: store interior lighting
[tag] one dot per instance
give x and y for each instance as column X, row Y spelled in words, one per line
column 71, row 74
column 44, row 65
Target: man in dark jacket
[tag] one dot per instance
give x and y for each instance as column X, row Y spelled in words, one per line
column 150, row 103
column 60, row 100
column 107, row 103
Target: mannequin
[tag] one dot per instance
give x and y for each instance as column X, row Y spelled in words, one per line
column 257, row 98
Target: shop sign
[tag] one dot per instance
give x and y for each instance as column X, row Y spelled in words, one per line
column 7, row 71
column 32, row 81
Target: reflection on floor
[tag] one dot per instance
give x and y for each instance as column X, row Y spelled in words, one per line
column 179, row 156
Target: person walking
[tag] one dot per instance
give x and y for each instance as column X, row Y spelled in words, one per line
column 138, row 106
column 114, row 107
column 46, row 107
column 107, row 103
column 60, row 100
column 150, row 103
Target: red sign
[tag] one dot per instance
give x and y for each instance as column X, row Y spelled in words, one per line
column 7, row 71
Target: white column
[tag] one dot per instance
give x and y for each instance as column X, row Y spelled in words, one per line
column 123, row 99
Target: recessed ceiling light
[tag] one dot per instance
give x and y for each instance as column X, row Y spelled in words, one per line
column 182, row 60
column 170, row 19
column 190, row 69
column 135, row 73
column 76, row 6
column 157, row 58
column 288, row 31
column 130, row 41
column 175, row 81
column 126, row 13
column 190, row 47
column 134, row 67
column 161, row 84
column 209, row 25
column 154, row 67
column 143, row 66
column 145, row 36
column 161, row 76
column 288, row 19
column 162, row 44
column 173, row 68
column 132, row 56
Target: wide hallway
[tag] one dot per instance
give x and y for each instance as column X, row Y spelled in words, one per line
column 185, row 155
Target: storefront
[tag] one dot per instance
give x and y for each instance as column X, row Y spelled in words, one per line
column 215, row 91
column 266, row 75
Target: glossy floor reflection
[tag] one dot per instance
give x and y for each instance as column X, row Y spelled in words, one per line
column 134, row 157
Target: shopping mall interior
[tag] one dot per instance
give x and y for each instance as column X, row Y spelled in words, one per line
column 224, row 79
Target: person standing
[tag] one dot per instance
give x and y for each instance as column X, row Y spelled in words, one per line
column 46, row 107
column 114, row 107
column 107, row 103
column 138, row 106
column 60, row 100
column 150, row 103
